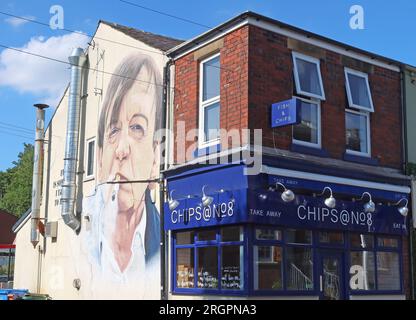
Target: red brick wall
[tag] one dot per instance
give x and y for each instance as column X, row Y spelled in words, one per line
column 271, row 80
column 249, row 87
column 234, row 87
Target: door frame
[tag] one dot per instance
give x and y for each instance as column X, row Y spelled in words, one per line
column 340, row 254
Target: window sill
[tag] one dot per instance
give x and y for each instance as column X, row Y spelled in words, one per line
column 319, row 152
column 360, row 159
column 204, row 151
column 89, row 178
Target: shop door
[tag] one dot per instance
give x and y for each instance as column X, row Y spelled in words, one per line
column 331, row 275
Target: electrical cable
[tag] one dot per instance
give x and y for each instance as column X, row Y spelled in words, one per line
column 77, row 32
column 166, row 14
column 100, row 38
column 68, row 63
column 17, row 135
column 18, row 127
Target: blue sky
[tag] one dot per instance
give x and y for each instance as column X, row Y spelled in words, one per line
column 25, row 81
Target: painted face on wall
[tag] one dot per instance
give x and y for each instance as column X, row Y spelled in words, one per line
column 128, row 151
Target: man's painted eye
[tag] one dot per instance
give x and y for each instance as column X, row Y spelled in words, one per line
column 137, row 130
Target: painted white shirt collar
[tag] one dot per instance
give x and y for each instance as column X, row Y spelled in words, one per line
column 136, row 264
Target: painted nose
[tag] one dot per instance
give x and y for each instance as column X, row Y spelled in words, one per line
column 123, row 148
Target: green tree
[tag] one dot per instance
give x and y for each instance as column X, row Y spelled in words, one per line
column 16, row 183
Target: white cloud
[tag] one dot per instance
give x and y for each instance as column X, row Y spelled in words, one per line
column 16, row 22
column 41, row 77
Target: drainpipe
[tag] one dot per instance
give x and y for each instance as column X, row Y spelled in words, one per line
column 405, row 165
column 37, row 172
column 164, row 272
column 77, row 60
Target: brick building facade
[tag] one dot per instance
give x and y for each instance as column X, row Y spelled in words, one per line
column 351, row 118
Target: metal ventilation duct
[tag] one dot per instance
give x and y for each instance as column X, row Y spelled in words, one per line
column 77, row 60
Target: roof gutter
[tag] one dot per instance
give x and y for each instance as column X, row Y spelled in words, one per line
column 255, row 18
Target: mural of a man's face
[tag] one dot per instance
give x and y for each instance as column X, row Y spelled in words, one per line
column 128, row 151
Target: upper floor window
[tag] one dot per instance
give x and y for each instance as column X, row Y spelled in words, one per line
column 90, row 158
column 308, row 131
column 358, row 90
column 209, row 101
column 357, row 132
column 307, row 75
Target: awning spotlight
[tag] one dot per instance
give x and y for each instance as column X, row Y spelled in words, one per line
column 329, row 202
column 369, row 206
column 403, row 210
column 287, row 194
column 173, row 204
column 206, row 200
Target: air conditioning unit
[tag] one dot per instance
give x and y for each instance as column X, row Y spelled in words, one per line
column 51, row 229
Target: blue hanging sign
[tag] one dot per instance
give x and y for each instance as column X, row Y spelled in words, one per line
column 285, row 113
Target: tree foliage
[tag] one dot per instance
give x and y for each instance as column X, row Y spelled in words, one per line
column 16, row 183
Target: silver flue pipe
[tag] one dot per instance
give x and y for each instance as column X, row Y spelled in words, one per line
column 77, row 60
column 37, row 172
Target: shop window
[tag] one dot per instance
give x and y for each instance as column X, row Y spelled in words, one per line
column 299, row 268
column 185, row 268
column 331, row 238
column 358, row 90
column 362, row 271
column 219, row 260
column 361, row 241
column 229, row 234
column 185, row 237
column 387, row 242
column 308, row 131
column 298, row 236
column 268, row 234
column 388, row 271
column 307, row 76
column 268, row 269
column 207, row 235
column 207, row 267
column 377, row 266
column 209, row 106
column 357, row 133
column 232, row 268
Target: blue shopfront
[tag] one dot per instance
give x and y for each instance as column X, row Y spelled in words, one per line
column 284, row 233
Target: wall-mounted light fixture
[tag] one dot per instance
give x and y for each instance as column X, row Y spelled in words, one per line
column 369, row 206
column 206, row 200
column 287, row 194
column 330, row 202
column 173, row 204
column 403, row 210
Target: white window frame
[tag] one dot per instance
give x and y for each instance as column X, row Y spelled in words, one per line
column 349, row 95
column 310, row 144
column 296, row 75
column 88, row 141
column 359, row 153
column 204, row 104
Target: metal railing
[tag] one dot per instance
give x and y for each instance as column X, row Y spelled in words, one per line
column 298, row 280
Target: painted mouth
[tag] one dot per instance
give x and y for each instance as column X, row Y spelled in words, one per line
column 119, row 177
